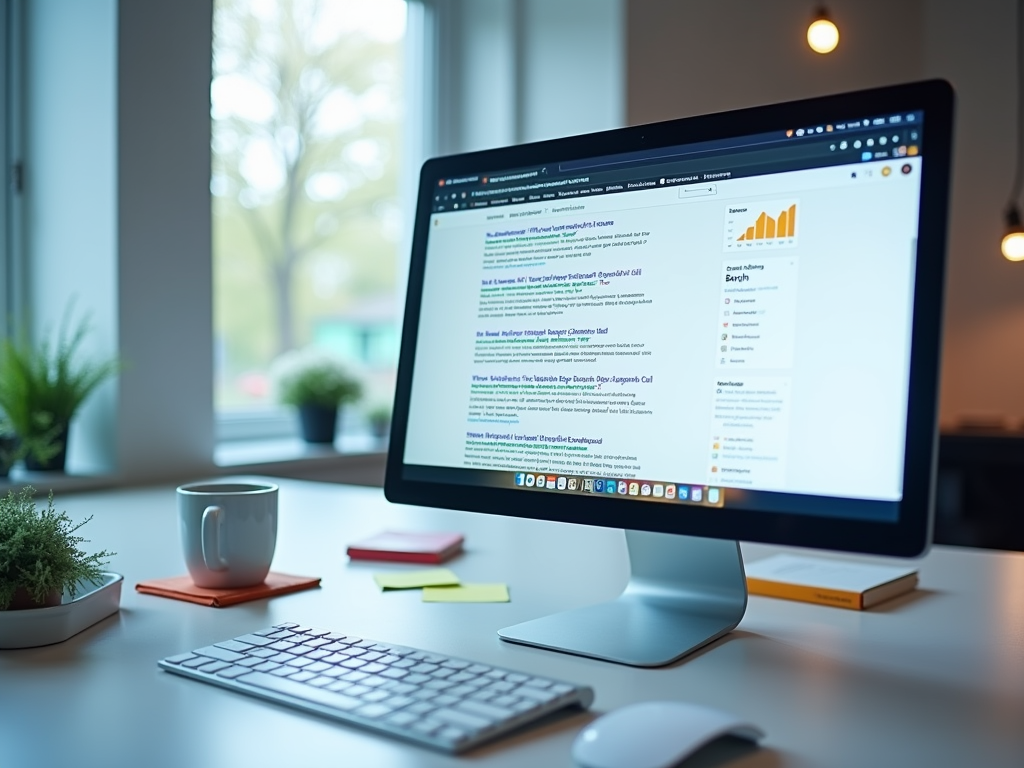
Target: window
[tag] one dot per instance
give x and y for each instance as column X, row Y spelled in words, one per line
column 307, row 108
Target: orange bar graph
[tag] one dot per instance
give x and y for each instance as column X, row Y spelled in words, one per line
column 768, row 228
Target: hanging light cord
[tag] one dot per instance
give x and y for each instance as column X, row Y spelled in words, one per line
column 1018, row 175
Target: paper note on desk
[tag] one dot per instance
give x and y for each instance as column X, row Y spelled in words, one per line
column 467, row 593
column 432, row 577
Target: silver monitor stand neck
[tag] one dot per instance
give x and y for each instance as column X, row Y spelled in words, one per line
column 683, row 593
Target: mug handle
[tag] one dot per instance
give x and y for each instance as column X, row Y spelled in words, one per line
column 212, row 529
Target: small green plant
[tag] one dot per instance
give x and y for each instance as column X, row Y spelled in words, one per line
column 311, row 377
column 39, row 550
column 42, row 387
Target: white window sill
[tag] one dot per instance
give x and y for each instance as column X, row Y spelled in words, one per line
column 358, row 459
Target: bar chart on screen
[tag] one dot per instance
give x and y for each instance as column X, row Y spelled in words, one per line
column 763, row 225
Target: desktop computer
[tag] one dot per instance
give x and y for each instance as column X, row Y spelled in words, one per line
column 700, row 331
column 707, row 330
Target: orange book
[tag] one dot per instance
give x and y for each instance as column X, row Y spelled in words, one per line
column 841, row 583
column 430, row 547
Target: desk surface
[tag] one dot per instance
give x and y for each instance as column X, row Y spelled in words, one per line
column 932, row 679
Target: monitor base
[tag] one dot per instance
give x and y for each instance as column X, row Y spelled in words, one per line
column 683, row 593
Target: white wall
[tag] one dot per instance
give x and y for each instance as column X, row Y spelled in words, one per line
column 710, row 55
column 513, row 71
column 70, row 194
column 117, row 169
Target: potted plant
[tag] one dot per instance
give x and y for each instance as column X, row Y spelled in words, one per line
column 40, row 556
column 318, row 384
column 41, row 389
column 9, row 446
column 379, row 417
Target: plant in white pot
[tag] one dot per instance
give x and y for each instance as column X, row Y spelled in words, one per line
column 40, row 554
column 318, row 384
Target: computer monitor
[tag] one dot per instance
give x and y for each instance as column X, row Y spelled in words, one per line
column 706, row 330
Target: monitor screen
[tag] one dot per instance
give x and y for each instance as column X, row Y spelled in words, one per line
column 722, row 326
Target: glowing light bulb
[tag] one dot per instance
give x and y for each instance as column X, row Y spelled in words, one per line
column 1013, row 246
column 822, row 35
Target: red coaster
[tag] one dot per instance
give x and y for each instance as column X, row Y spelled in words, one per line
column 182, row 588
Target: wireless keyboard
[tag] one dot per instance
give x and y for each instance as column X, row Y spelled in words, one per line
column 439, row 701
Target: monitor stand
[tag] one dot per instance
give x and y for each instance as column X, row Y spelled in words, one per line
column 683, row 592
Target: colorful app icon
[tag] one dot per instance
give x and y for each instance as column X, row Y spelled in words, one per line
column 530, row 480
column 552, row 480
column 634, row 489
column 520, row 478
column 591, row 485
column 670, row 491
column 683, row 492
column 658, row 491
column 573, row 483
column 696, row 493
column 609, row 486
column 622, row 487
column 645, row 489
column 714, row 495
column 598, row 486
column 561, row 483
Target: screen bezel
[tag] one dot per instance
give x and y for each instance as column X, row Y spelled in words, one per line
column 910, row 534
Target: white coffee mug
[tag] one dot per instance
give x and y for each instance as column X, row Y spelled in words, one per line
column 228, row 532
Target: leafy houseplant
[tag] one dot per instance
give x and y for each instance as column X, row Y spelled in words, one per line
column 42, row 387
column 380, row 420
column 318, row 384
column 40, row 557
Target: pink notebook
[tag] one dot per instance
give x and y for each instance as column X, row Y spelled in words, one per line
column 430, row 547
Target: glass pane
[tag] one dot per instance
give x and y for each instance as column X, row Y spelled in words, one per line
column 307, row 108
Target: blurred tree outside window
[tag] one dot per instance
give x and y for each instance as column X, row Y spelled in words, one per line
column 307, row 109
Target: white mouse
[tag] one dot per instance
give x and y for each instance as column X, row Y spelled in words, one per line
column 655, row 734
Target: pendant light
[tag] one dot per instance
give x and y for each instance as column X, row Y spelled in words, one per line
column 822, row 34
column 1013, row 240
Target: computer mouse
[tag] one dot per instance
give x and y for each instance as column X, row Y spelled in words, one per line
column 655, row 734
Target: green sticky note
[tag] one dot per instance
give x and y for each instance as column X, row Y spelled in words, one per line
column 432, row 577
column 467, row 593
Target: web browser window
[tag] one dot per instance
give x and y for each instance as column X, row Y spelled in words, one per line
column 711, row 324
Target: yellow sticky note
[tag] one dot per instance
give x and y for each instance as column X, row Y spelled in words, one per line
column 431, row 577
column 467, row 593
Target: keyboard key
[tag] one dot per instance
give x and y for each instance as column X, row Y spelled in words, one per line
column 335, row 671
column 279, row 658
column 561, row 688
column 252, row 661
column 284, row 625
column 354, row 677
column 461, row 677
column 438, row 685
column 267, row 632
column 375, row 696
column 478, row 669
column 501, row 687
column 254, row 640
column 233, row 671
column 333, row 647
column 318, row 667
column 316, row 655
column 401, row 719
column 442, row 673
column 318, row 632
column 404, row 664
column 456, row 664
column 515, row 677
column 463, row 720
column 394, row 674
column 373, row 711
column 195, row 662
column 416, row 679
column 339, row 685
column 262, row 653
column 420, row 708
column 281, row 645
column 283, row 671
column 453, row 735
column 221, row 654
column 427, row 727
column 180, row 658
column 461, row 690
column 291, row 688
column 357, row 690
column 374, row 681
column 402, row 689
column 298, row 662
column 373, row 668
column 267, row 666
column 539, row 682
column 424, row 669
column 504, row 701
column 301, row 677
column 213, row 666
column 444, row 700
column 536, row 694
column 353, row 664
column 234, row 645
column 397, row 702
column 372, row 656
column 488, row 711
column 320, row 682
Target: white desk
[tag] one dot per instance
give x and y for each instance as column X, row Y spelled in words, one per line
column 931, row 679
